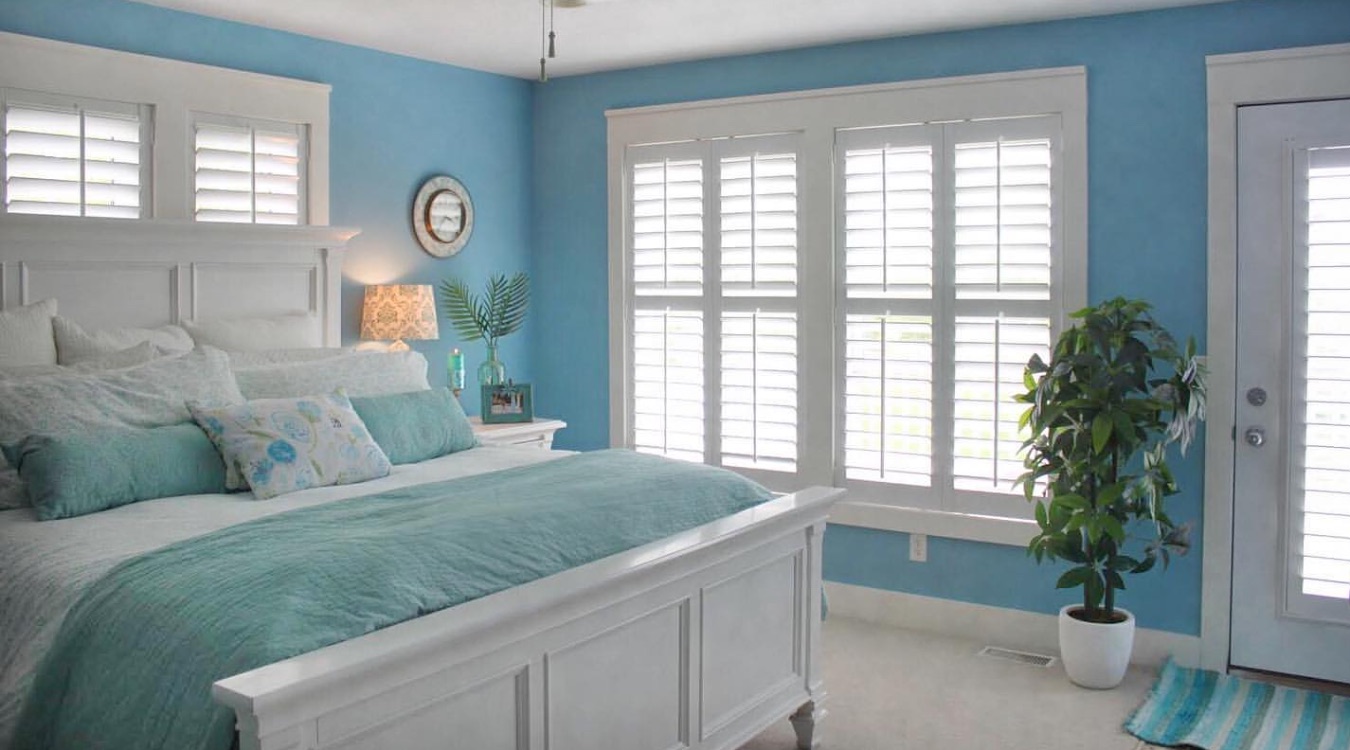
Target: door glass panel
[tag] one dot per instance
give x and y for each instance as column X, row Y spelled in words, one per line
column 1321, row 543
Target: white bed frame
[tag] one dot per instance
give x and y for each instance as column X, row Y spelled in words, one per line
column 700, row 640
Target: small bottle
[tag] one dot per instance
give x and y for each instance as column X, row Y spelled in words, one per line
column 456, row 372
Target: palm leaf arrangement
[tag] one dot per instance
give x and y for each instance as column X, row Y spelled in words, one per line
column 499, row 312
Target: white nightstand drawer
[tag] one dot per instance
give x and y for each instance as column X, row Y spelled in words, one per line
column 536, row 434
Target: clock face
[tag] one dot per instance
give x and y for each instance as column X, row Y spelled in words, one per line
column 442, row 216
column 445, row 216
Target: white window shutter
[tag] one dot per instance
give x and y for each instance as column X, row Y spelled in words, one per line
column 1005, row 297
column 759, row 224
column 759, row 390
column 668, row 398
column 77, row 159
column 1325, row 413
column 667, row 227
column 248, row 173
column 888, row 399
column 888, row 219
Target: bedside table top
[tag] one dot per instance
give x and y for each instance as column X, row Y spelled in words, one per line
column 516, row 428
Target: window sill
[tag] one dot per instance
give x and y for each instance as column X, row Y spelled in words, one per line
column 990, row 529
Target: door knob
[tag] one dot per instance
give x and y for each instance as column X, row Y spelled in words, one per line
column 1255, row 437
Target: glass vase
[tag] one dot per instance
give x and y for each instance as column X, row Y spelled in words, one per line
column 492, row 371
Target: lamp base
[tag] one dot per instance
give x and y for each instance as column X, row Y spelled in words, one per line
column 399, row 345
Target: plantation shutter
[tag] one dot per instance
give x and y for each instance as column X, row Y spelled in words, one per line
column 249, row 172
column 887, row 238
column 712, row 238
column 757, row 216
column 947, row 247
column 1324, row 549
column 665, row 240
column 1005, row 302
column 75, row 157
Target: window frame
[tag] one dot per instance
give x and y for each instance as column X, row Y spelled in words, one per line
column 818, row 114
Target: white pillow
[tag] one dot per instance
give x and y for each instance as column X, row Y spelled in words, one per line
column 26, row 335
column 133, row 356
column 284, row 356
column 152, row 395
column 293, row 331
column 75, row 345
column 359, row 373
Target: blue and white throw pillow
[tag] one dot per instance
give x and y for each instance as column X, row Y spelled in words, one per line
column 282, row 445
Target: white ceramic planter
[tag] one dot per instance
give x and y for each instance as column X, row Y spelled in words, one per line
column 1095, row 655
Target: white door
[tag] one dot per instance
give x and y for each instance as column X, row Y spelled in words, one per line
column 1291, row 536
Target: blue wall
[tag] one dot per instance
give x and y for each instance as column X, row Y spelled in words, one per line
column 394, row 122
column 1147, row 156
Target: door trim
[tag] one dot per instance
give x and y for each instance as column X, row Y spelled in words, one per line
column 1270, row 77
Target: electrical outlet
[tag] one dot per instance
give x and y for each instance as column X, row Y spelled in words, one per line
column 918, row 547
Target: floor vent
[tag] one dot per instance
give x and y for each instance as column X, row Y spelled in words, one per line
column 1021, row 657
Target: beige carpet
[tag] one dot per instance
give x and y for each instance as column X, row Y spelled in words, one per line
column 892, row 689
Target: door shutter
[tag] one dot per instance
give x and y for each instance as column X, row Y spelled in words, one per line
column 249, row 173
column 74, row 160
column 1325, row 411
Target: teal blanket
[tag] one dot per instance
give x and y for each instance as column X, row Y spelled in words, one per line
column 133, row 663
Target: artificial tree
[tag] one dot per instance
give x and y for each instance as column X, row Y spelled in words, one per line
column 1117, row 392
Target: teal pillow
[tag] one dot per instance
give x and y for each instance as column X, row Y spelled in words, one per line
column 86, row 472
column 416, row 426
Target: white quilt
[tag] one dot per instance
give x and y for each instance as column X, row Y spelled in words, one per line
column 45, row 566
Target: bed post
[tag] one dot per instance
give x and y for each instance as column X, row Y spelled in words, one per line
column 806, row 717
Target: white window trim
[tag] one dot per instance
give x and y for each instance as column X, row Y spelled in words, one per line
column 174, row 90
column 1268, row 77
column 817, row 115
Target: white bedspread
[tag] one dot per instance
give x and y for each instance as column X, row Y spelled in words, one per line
column 45, row 566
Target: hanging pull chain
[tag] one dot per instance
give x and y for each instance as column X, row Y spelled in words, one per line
column 546, row 51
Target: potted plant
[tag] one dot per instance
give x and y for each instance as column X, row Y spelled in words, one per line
column 1117, row 392
column 499, row 312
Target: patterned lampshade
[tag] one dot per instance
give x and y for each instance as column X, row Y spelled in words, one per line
column 394, row 312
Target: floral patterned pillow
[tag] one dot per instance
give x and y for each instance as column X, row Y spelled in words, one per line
column 281, row 445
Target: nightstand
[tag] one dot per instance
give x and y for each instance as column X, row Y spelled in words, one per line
column 538, row 433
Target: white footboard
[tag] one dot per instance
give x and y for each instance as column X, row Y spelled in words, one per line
column 700, row 640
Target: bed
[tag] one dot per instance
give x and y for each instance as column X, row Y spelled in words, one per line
column 700, row 638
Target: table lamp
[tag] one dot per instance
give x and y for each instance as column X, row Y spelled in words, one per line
column 394, row 312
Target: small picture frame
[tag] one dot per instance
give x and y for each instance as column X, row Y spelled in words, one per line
column 503, row 404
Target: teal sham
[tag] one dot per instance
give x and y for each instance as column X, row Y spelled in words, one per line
column 80, row 473
column 416, row 426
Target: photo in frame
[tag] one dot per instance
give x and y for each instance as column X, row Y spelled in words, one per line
column 503, row 404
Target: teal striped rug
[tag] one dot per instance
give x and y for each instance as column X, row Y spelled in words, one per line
column 1191, row 707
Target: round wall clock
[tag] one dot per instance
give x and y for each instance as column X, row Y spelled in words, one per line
column 442, row 216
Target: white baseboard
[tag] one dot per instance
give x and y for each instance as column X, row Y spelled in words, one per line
column 996, row 626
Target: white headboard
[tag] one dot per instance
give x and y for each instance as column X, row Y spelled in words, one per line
column 108, row 273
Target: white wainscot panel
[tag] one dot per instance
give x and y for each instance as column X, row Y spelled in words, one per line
column 750, row 640
column 490, row 715
column 622, row 689
column 244, row 290
column 146, row 292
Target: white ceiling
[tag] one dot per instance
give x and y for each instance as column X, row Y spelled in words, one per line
column 503, row 36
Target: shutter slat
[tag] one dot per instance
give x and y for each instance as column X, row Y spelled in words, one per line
column 244, row 174
column 1325, row 378
column 53, row 168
